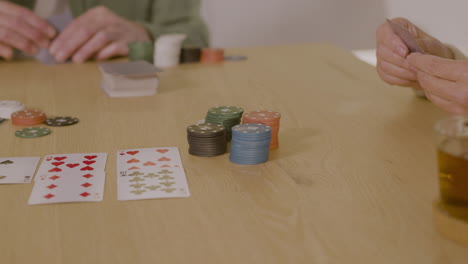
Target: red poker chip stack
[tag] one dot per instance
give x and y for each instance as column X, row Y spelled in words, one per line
column 211, row 55
column 268, row 118
column 28, row 117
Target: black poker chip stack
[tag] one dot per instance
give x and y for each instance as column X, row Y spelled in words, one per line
column 190, row 55
column 207, row 140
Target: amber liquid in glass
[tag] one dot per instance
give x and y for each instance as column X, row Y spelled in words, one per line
column 453, row 183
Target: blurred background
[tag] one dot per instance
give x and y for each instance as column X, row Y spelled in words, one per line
column 350, row 24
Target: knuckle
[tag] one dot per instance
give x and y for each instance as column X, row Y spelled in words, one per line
column 100, row 10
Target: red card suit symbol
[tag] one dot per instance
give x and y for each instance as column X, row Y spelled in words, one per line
column 87, row 176
column 133, row 152
column 164, row 159
column 52, row 186
column 149, row 163
column 89, row 162
column 55, row 170
column 72, row 165
column 86, row 185
column 48, row 196
column 54, row 177
column 87, row 168
column 85, row 194
column 134, row 168
column 133, row 161
column 59, row 158
column 57, row 163
column 122, row 153
column 90, row 157
column 162, row 151
column 165, row 166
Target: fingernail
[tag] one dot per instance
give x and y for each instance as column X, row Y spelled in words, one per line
column 401, row 51
column 60, row 57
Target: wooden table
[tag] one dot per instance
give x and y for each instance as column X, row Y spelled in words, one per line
column 352, row 182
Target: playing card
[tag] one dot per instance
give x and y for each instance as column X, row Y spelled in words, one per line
column 150, row 173
column 17, row 170
column 59, row 22
column 133, row 69
column 406, row 36
column 66, row 178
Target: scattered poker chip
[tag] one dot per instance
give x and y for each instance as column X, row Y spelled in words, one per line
column 228, row 116
column 32, row 132
column 235, row 58
column 141, row 50
column 61, row 121
column 250, row 144
column 9, row 107
column 28, row 117
column 269, row 118
column 207, row 140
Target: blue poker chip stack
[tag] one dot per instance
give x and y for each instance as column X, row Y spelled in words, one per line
column 250, row 144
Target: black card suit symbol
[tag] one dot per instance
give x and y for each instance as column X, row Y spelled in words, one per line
column 6, row 162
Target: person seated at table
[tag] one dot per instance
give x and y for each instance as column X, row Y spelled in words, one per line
column 102, row 28
column 442, row 72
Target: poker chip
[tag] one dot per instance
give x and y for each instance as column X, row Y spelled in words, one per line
column 207, row 140
column 212, row 55
column 269, row 118
column 9, row 107
column 141, row 50
column 250, row 144
column 228, row 116
column 61, row 121
column 190, row 55
column 32, row 132
column 235, row 58
column 28, row 117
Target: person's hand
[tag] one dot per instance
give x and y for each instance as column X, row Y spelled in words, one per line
column 98, row 33
column 21, row 29
column 392, row 65
column 445, row 81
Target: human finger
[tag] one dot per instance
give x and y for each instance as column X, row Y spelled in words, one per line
column 395, row 80
column 94, row 45
column 445, row 89
column 24, row 29
column 396, row 71
column 17, row 41
column 388, row 38
column 6, row 51
column 112, row 50
column 443, row 68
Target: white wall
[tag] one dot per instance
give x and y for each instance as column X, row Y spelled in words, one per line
column 347, row 23
column 445, row 19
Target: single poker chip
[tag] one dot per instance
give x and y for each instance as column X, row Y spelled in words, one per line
column 32, row 132
column 235, row 58
column 61, row 121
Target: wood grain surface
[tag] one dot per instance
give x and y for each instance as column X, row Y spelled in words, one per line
column 352, row 182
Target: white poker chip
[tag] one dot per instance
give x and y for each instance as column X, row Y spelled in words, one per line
column 9, row 107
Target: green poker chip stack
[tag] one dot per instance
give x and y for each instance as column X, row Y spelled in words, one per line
column 228, row 116
column 141, row 50
column 32, row 132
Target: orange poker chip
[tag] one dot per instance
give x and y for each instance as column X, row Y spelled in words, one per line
column 269, row 118
column 28, row 117
column 212, row 55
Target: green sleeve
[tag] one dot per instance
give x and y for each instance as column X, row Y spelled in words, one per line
column 26, row 3
column 178, row 16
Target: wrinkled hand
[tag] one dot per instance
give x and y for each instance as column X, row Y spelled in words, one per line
column 445, row 81
column 21, row 29
column 392, row 65
column 98, row 33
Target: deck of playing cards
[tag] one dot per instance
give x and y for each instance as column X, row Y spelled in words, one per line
column 150, row 173
column 68, row 178
column 129, row 79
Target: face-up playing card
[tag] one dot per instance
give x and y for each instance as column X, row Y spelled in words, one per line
column 150, row 173
column 70, row 178
column 406, row 36
column 17, row 170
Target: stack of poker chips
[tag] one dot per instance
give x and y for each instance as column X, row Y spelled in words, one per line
column 167, row 50
column 250, row 144
column 228, row 116
column 212, row 55
column 141, row 50
column 28, row 117
column 9, row 107
column 190, row 55
column 269, row 118
column 207, row 140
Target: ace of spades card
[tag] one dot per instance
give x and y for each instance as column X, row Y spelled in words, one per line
column 17, row 170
